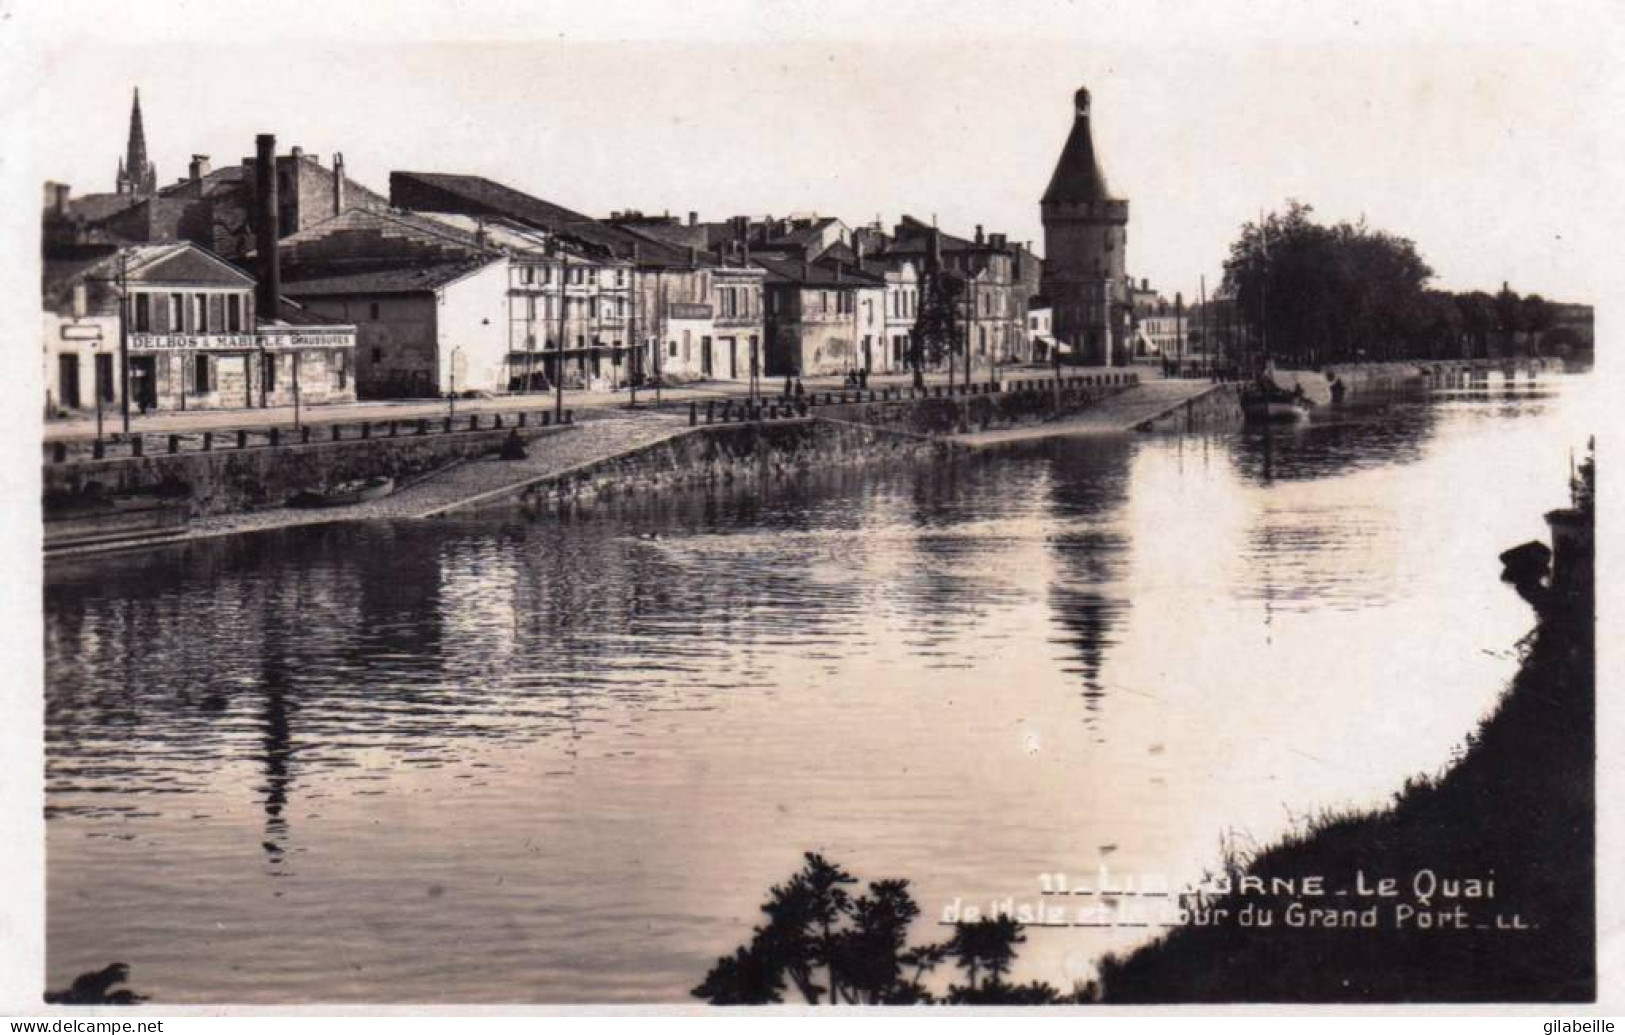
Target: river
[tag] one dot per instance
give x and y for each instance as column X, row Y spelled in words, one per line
column 508, row 760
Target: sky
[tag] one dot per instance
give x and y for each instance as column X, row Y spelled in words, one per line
column 1476, row 133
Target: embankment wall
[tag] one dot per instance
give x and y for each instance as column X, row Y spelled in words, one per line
column 733, row 453
column 226, row 481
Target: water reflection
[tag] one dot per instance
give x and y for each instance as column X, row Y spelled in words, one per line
column 569, row 752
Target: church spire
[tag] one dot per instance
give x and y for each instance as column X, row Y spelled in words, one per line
column 137, row 175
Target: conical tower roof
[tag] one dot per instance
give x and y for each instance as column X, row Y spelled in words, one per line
column 1078, row 177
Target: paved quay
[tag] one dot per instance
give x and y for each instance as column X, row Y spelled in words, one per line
column 457, row 484
column 1113, row 415
column 83, row 427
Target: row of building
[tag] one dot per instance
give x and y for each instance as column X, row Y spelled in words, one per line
column 280, row 277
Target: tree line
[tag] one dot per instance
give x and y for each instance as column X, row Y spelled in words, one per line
column 1308, row 294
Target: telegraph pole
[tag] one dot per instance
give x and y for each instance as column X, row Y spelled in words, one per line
column 564, row 300
column 124, row 336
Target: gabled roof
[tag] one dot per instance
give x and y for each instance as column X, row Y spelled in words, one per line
column 817, row 274
column 385, row 228
column 476, row 195
column 93, row 208
column 179, row 263
column 388, row 282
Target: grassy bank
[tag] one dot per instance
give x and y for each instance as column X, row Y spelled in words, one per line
column 1515, row 808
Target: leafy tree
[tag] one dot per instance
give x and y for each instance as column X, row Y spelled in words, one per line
column 1315, row 294
column 937, row 323
column 836, row 947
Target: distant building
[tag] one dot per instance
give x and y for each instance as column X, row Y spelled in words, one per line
column 695, row 313
column 1041, row 328
column 817, row 317
column 993, row 311
column 193, row 333
column 1161, row 329
column 1085, row 246
column 422, row 331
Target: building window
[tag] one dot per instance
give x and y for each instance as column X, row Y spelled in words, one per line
column 270, row 371
column 377, row 354
column 200, row 314
column 234, row 313
column 200, row 375
column 177, row 307
column 373, row 311
column 527, row 274
column 143, row 313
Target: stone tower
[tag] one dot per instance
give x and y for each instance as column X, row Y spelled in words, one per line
column 136, row 175
column 1085, row 240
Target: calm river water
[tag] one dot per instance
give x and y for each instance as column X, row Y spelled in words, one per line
column 510, row 761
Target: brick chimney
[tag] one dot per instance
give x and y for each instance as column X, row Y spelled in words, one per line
column 198, row 168
column 265, row 225
column 338, row 183
column 693, row 218
column 59, row 198
column 979, row 233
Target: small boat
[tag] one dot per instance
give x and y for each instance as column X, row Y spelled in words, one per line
column 345, row 494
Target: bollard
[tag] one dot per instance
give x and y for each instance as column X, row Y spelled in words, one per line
column 208, row 441
column 98, row 449
column 394, row 429
column 366, row 429
column 569, row 416
column 423, row 425
column 138, row 446
column 473, row 422
column 773, row 412
column 693, row 413
column 496, row 421
column 59, row 451
column 304, row 435
column 710, row 411
column 547, row 419
column 242, row 440
column 337, row 434
column 276, row 436
column 445, row 425
column 522, row 417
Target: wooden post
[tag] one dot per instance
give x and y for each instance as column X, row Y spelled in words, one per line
column 208, row 441
column 242, row 439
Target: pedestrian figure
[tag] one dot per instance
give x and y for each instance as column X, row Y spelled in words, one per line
column 800, row 392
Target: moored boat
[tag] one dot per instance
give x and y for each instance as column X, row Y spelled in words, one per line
column 345, row 494
column 1268, row 403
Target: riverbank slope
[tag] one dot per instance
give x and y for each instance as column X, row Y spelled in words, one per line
column 1515, row 812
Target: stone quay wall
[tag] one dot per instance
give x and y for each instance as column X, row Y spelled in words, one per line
column 938, row 409
column 726, row 454
column 1215, row 410
column 237, row 472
